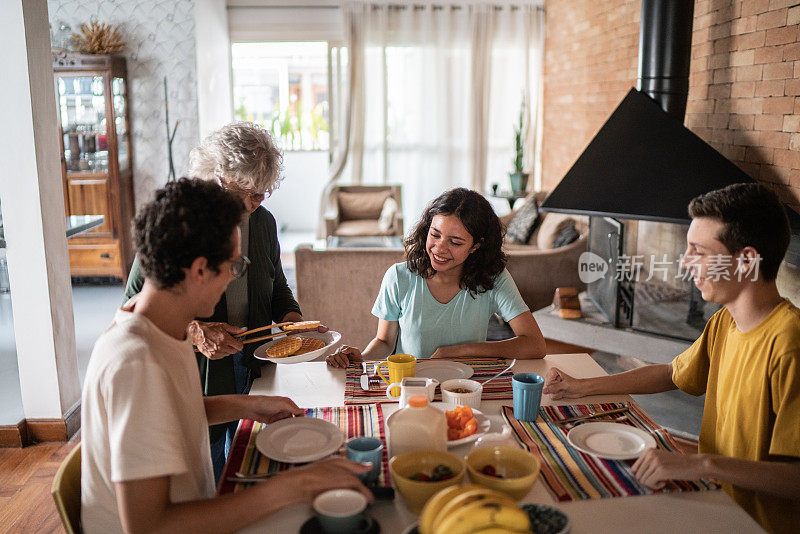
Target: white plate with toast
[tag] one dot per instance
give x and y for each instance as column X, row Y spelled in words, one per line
column 297, row 348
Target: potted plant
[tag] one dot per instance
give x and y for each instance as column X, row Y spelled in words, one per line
column 519, row 179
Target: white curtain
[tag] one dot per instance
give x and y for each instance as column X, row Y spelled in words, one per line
column 436, row 89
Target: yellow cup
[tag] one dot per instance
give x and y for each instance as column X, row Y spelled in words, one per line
column 400, row 366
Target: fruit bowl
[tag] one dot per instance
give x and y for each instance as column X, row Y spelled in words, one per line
column 519, row 469
column 416, row 492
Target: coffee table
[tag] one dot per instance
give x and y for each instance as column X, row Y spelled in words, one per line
column 368, row 241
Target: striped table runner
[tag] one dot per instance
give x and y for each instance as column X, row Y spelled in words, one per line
column 354, row 421
column 571, row 475
column 484, row 368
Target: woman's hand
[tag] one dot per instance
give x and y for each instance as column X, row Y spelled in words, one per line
column 344, row 356
column 266, row 409
column 446, row 352
column 214, row 340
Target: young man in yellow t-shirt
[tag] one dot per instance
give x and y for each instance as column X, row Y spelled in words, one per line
column 746, row 362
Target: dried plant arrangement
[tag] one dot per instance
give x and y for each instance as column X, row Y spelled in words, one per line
column 98, row 38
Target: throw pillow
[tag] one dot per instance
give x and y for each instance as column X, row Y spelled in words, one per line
column 390, row 209
column 524, row 222
column 551, row 227
column 567, row 236
column 366, row 205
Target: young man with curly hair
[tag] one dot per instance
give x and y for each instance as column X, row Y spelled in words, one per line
column 438, row 303
column 243, row 159
column 746, row 362
column 145, row 458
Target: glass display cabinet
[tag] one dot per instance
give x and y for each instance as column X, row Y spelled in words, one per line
column 92, row 101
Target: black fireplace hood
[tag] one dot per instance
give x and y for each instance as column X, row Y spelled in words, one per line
column 642, row 164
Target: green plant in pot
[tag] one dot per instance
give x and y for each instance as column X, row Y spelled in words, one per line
column 519, row 179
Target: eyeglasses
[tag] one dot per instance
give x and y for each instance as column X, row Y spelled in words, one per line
column 256, row 198
column 239, row 266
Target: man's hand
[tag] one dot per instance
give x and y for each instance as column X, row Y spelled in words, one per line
column 266, row 409
column 214, row 340
column 343, row 356
column 655, row 467
column 309, row 481
column 560, row 385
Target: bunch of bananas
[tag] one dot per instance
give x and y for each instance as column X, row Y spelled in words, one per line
column 472, row 509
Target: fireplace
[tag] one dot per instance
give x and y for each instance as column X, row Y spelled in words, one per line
column 644, row 287
column 635, row 180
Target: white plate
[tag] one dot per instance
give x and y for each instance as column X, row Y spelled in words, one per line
column 442, row 370
column 299, row 439
column 483, row 427
column 613, row 441
column 330, row 338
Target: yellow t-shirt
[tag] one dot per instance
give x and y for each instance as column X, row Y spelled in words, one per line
column 752, row 406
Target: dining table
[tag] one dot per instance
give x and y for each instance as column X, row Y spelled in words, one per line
column 315, row 384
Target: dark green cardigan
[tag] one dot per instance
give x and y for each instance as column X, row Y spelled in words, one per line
column 269, row 298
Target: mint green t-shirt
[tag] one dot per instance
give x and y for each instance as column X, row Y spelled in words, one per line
column 426, row 324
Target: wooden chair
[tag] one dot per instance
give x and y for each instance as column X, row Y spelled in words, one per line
column 66, row 491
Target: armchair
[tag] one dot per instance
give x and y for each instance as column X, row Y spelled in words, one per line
column 364, row 210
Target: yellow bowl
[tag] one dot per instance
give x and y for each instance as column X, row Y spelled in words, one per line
column 415, row 492
column 519, row 468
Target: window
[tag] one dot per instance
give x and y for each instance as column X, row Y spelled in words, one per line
column 284, row 88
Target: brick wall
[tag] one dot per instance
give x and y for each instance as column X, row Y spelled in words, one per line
column 591, row 51
column 744, row 94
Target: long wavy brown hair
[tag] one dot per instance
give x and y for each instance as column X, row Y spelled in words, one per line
column 476, row 214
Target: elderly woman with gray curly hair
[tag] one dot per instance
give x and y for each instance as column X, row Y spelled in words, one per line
column 242, row 158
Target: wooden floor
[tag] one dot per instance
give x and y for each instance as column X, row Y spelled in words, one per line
column 25, row 478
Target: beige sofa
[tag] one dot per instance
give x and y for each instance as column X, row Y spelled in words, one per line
column 339, row 286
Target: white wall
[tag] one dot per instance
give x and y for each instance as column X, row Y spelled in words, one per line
column 160, row 41
column 296, row 202
column 33, row 215
column 214, row 86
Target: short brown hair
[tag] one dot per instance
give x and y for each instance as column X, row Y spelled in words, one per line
column 753, row 216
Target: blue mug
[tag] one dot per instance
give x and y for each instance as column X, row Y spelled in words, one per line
column 527, row 388
column 366, row 449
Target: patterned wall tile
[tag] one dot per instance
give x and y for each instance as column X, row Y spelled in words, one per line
column 159, row 39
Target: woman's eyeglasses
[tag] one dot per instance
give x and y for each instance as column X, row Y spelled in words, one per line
column 256, row 198
column 239, row 266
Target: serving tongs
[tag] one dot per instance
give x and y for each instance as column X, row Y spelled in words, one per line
column 261, row 328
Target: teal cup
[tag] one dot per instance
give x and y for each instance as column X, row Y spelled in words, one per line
column 365, row 449
column 527, row 388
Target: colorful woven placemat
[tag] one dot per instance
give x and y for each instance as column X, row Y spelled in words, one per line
column 484, row 368
column 571, row 475
column 366, row 420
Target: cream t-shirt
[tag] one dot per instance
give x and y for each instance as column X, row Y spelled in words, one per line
column 142, row 417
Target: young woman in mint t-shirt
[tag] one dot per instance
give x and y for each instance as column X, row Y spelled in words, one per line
column 437, row 304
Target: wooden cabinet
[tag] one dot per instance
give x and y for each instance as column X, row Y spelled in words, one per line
column 92, row 101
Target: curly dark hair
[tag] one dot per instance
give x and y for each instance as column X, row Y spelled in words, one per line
column 186, row 220
column 753, row 216
column 476, row 214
